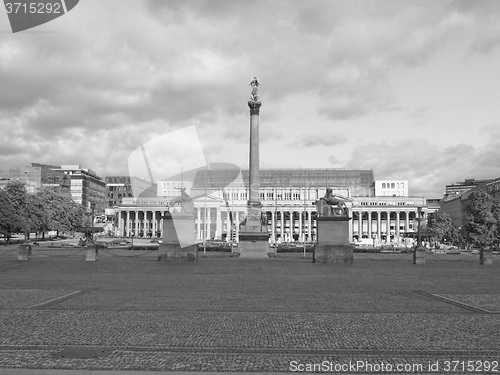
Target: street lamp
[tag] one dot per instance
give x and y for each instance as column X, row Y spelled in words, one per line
column 419, row 220
column 92, row 207
column 419, row 235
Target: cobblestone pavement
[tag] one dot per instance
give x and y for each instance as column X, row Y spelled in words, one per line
column 127, row 311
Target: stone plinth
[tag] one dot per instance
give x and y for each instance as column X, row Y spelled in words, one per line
column 24, row 252
column 332, row 245
column 254, row 236
column 486, row 257
column 419, row 255
column 91, row 254
column 178, row 243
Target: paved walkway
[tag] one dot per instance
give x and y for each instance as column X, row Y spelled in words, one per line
column 129, row 312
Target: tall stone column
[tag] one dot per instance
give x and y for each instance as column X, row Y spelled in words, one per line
column 237, row 235
column 300, row 227
column 254, row 205
column 208, row 224
column 161, row 223
column 397, row 224
column 145, row 224
column 136, row 222
column 283, row 225
column 369, row 224
column 253, row 236
column 360, row 225
column 309, row 226
column 273, row 226
column 127, row 224
column 218, row 223
column 379, row 224
column 198, row 223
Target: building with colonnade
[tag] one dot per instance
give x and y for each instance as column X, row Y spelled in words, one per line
column 288, row 199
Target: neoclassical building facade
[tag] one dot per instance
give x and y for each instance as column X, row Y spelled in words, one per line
column 288, row 199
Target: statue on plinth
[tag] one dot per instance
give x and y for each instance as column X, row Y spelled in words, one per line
column 331, row 205
column 186, row 202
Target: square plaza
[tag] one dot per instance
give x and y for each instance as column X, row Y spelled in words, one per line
column 128, row 311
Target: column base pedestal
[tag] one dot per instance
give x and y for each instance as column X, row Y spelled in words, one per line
column 24, row 252
column 486, row 257
column 419, row 255
column 91, row 254
column 254, row 245
column 330, row 253
column 178, row 243
column 332, row 244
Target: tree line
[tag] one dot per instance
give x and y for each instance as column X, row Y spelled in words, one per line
column 41, row 212
column 481, row 226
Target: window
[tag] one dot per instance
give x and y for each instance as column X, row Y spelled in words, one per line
column 392, row 185
column 383, row 185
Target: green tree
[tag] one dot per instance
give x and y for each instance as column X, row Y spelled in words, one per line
column 440, row 227
column 19, row 197
column 482, row 219
column 35, row 214
column 61, row 213
column 10, row 220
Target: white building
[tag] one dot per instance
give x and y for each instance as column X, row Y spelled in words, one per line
column 391, row 188
column 288, row 199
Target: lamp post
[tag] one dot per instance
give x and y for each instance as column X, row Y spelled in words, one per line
column 419, row 220
column 92, row 207
column 418, row 248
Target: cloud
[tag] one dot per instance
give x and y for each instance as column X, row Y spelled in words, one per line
column 427, row 166
column 327, row 139
column 113, row 74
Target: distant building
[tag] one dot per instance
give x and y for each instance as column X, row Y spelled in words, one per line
column 53, row 178
column 433, row 205
column 461, row 187
column 288, row 199
column 86, row 187
column 391, row 188
column 119, row 187
column 455, row 204
column 28, row 175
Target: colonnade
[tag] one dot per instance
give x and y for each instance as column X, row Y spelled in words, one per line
column 285, row 224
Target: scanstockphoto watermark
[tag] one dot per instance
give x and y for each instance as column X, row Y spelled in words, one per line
column 457, row 366
column 357, row 366
column 26, row 14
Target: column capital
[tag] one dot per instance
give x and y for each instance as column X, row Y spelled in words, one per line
column 254, row 107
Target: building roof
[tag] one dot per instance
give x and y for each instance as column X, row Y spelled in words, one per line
column 354, row 178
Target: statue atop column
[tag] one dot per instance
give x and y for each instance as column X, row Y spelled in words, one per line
column 254, row 96
column 254, row 102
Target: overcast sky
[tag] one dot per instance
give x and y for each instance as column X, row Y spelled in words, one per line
column 410, row 89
